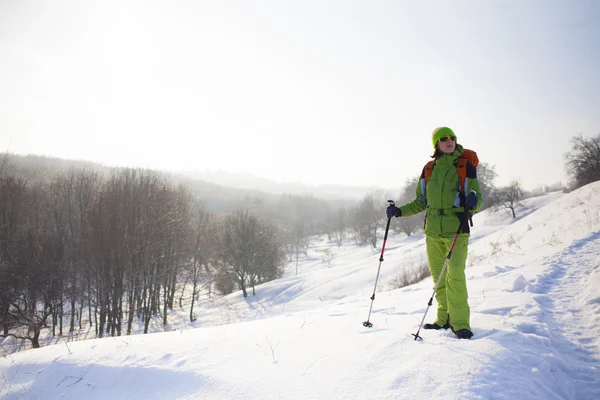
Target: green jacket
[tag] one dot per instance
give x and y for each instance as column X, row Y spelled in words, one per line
column 441, row 197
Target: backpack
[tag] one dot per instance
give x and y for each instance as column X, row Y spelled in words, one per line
column 461, row 167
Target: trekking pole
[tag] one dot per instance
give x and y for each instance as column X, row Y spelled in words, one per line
column 367, row 323
column 416, row 335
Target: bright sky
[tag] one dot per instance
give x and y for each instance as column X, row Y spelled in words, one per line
column 305, row 91
column 535, row 314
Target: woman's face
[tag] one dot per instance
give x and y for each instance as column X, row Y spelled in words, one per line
column 447, row 144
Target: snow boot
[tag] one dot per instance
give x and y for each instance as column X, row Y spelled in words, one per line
column 436, row 326
column 463, row 334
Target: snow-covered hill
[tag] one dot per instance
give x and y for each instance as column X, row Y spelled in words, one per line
column 533, row 286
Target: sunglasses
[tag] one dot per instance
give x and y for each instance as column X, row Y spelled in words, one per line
column 445, row 138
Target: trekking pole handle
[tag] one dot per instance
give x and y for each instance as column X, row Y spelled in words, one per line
column 469, row 215
column 468, row 211
column 391, row 203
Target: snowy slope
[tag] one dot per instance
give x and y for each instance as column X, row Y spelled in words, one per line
column 535, row 301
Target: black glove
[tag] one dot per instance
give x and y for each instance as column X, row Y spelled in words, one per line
column 393, row 211
column 471, row 201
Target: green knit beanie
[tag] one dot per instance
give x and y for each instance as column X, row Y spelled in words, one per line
column 439, row 133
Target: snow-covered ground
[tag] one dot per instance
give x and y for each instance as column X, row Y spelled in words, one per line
column 535, row 312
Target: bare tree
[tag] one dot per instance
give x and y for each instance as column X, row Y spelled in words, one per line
column 583, row 161
column 340, row 224
column 59, row 199
column 86, row 187
column 249, row 250
column 297, row 241
column 509, row 197
column 237, row 245
column 23, row 316
column 486, row 175
column 367, row 217
column 161, row 224
column 204, row 251
column 99, row 250
column 70, row 194
column 14, row 196
column 129, row 229
column 32, row 267
column 270, row 256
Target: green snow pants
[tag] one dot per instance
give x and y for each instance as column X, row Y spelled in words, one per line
column 451, row 295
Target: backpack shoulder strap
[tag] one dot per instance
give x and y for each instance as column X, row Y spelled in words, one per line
column 461, row 167
column 461, row 171
column 427, row 170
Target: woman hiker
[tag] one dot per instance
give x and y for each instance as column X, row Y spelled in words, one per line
column 439, row 193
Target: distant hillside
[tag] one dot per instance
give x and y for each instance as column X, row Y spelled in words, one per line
column 249, row 181
column 220, row 191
